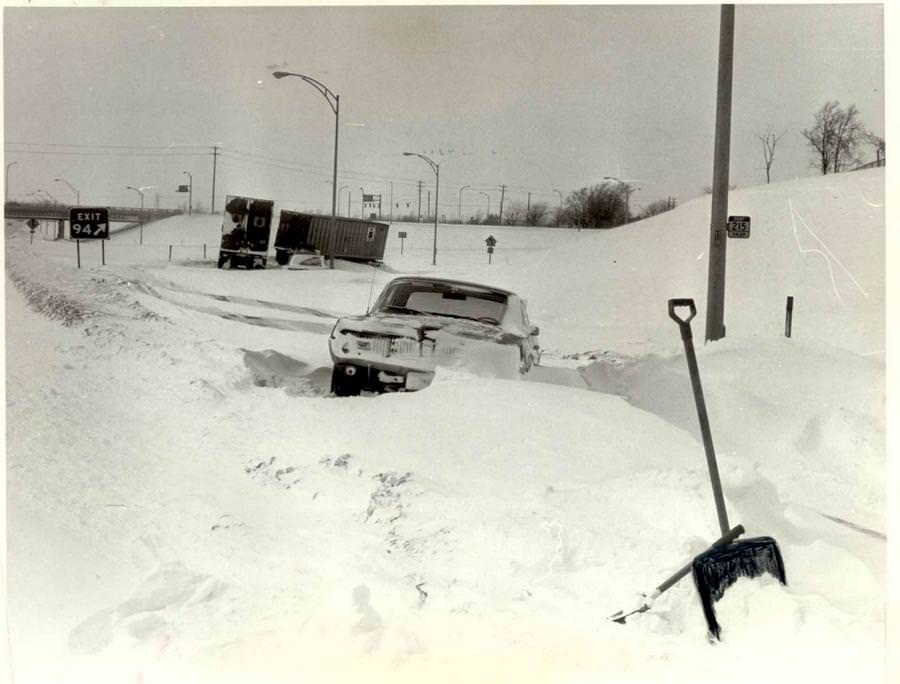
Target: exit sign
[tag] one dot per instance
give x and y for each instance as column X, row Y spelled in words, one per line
column 89, row 223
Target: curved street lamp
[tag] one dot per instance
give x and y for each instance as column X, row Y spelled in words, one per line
column 334, row 101
column 559, row 213
column 6, row 183
column 73, row 189
column 459, row 206
column 437, row 181
column 489, row 205
column 140, row 191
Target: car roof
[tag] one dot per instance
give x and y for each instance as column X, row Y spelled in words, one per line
column 451, row 282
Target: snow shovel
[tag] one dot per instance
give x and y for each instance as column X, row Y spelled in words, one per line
column 721, row 566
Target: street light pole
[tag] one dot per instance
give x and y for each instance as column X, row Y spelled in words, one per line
column 437, row 182
column 334, row 101
column 141, row 193
column 6, row 181
column 77, row 194
column 459, row 206
column 489, row 205
column 190, row 192
column 559, row 213
column 362, row 202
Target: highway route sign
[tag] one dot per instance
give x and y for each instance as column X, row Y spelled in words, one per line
column 89, row 223
column 739, row 226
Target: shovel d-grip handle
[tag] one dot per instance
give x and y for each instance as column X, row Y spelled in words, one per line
column 683, row 323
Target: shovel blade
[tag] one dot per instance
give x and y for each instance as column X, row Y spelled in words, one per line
column 721, row 566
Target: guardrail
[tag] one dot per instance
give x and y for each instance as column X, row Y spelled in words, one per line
column 25, row 210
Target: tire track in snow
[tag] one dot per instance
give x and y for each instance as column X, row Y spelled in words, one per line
column 827, row 254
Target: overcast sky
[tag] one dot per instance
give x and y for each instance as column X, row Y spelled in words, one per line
column 539, row 98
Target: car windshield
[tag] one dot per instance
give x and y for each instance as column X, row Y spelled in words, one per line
column 444, row 300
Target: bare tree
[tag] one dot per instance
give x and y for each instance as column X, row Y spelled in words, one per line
column 835, row 137
column 877, row 142
column 535, row 214
column 602, row 206
column 658, row 207
column 769, row 140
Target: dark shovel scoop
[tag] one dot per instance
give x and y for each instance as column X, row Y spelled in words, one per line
column 720, row 567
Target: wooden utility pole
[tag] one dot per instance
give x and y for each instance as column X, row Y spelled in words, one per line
column 502, row 193
column 528, row 211
column 212, row 203
column 715, row 294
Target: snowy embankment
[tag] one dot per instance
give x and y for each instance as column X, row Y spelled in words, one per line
column 187, row 503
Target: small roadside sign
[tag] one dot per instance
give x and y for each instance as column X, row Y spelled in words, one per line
column 401, row 234
column 490, row 241
column 33, row 223
column 739, row 226
column 89, row 223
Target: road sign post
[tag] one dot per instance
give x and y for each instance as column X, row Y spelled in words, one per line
column 89, row 223
column 491, row 242
column 402, row 236
column 32, row 224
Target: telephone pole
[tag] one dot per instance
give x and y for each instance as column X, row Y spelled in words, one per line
column 715, row 294
column 528, row 211
column 212, row 202
column 502, row 193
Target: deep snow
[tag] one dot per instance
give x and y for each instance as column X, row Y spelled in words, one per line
column 187, row 503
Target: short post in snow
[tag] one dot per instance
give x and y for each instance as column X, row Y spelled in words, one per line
column 788, row 316
column 103, row 252
column 170, row 252
column 78, row 253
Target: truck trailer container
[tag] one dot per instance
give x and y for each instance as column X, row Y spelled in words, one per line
column 351, row 239
column 246, row 228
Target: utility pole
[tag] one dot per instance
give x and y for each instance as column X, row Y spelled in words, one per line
column 391, row 220
column 502, row 193
column 528, row 211
column 419, row 214
column 212, row 202
column 428, row 206
column 715, row 293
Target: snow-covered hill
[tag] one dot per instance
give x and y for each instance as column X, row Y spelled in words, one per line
column 187, row 503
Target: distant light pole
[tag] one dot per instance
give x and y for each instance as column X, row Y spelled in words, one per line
column 190, row 192
column 334, row 101
column 437, row 182
column 73, row 189
column 489, row 205
column 362, row 202
column 459, row 207
column 49, row 196
column 140, row 191
column 6, row 182
column 559, row 213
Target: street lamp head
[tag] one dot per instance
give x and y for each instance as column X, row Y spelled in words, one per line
column 408, row 154
column 280, row 74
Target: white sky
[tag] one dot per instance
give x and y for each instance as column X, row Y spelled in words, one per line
column 538, row 98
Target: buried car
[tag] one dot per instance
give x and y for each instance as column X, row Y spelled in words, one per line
column 420, row 323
